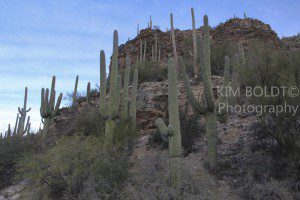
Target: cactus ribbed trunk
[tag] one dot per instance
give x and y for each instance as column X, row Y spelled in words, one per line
column 175, row 140
column 46, row 127
column 211, row 134
column 102, row 103
column 112, row 112
column 125, row 98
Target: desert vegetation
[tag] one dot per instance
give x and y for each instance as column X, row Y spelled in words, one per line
column 101, row 157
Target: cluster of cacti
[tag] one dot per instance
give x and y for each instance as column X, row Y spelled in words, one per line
column 210, row 108
column 143, row 51
column 48, row 108
column 128, row 108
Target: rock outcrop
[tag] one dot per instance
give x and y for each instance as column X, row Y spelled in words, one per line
column 234, row 30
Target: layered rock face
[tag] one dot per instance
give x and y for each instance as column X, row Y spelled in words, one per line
column 232, row 30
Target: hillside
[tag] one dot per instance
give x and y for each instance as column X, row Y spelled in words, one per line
column 256, row 156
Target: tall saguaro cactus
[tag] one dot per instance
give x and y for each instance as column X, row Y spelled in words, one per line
column 23, row 111
column 48, row 108
column 195, row 57
column 172, row 131
column 102, row 103
column 210, row 109
column 75, row 92
column 112, row 112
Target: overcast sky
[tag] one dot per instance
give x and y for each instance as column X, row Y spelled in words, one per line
column 41, row 38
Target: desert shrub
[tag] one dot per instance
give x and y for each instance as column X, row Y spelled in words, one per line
column 11, row 150
column 269, row 68
column 152, row 180
column 90, row 122
column 190, row 131
column 150, row 71
column 218, row 52
column 68, row 97
column 75, row 168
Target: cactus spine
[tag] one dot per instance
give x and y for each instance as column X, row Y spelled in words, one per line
column 195, row 57
column 112, row 112
column 172, row 131
column 48, row 108
column 75, row 92
column 23, row 111
column 102, row 99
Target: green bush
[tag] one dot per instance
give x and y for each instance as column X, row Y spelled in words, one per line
column 269, row 68
column 11, row 150
column 150, row 71
column 90, row 122
column 75, row 168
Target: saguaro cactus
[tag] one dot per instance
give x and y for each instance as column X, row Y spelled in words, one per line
column 172, row 131
column 112, row 112
column 88, row 93
column 210, row 109
column 23, row 111
column 48, row 108
column 75, row 92
column 195, row 57
column 102, row 99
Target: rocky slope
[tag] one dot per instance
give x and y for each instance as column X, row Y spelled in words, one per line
column 232, row 30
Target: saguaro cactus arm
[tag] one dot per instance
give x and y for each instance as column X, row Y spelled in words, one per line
column 208, row 93
column 175, row 56
column 197, row 106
